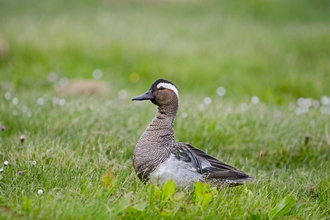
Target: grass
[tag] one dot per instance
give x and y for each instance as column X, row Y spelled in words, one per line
column 82, row 134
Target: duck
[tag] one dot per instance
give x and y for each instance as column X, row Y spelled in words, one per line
column 158, row 158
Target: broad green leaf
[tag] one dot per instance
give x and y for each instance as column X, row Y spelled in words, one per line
column 123, row 204
column 154, row 190
column 167, row 190
column 254, row 216
column 283, row 207
column 138, row 207
column 154, row 193
column 207, row 199
column 178, row 196
column 214, row 191
column 198, row 187
column 203, row 194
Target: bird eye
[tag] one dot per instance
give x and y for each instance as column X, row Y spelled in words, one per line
column 161, row 88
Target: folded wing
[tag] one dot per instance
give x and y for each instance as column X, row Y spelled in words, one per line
column 209, row 166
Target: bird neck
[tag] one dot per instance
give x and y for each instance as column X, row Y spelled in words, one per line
column 161, row 127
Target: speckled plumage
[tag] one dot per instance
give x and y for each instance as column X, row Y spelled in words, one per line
column 158, row 158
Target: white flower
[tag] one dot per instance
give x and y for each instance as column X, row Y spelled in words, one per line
column 255, row 100
column 207, row 100
column 6, row 163
column 244, row 107
column 221, row 91
column 34, row 163
column 7, row 95
column 97, row 74
column 40, row 191
column 15, row 101
column 52, row 76
column 40, row 101
column 1, row 170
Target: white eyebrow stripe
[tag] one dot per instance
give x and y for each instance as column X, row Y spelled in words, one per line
column 168, row 86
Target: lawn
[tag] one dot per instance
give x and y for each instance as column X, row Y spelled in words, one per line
column 253, row 81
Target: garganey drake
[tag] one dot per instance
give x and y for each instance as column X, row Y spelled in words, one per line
column 158, row 158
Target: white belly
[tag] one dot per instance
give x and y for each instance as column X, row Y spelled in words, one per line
column 182, row 173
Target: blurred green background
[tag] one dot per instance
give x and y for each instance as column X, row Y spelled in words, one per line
column 53, row 52
column 277, row 50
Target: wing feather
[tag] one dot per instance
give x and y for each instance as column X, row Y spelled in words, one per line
column 207, row 165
